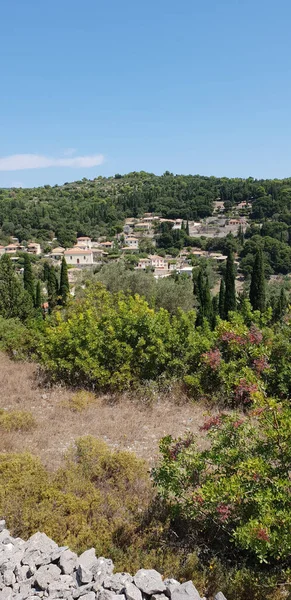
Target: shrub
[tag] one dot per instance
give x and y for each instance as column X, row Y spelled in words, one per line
column 80, row 401
column 236, row 491
column 16, row 420
column 113, row 340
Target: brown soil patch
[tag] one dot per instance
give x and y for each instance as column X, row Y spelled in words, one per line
column 124, row 423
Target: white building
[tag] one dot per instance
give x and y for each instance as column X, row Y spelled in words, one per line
column 157, row 262
column 78, row 257
column 13, row 248
column 34, row 248
column 131, row 242
column 143, row 263
column 84, row 242
column 2, row 250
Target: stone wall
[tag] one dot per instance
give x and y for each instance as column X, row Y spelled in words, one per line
column 39, row 568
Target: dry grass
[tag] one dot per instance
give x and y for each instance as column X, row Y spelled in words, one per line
column 121, row 421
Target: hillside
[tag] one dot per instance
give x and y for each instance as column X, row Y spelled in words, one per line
column 99, row 206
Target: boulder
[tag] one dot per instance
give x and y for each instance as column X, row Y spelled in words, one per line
column 186, row 591
column 171, row 585
column 220, row 596
column 6, row 593
column 149, row 581
column 68, row 562
column 132, row 592
column 46, row 575
column 117, row 582
column 103, row 568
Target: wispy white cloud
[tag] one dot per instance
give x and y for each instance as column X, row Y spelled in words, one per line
column 19, row 162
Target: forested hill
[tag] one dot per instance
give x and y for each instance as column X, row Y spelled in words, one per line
column 99, row 206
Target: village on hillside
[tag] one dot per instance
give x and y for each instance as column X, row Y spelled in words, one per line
column 139, row 240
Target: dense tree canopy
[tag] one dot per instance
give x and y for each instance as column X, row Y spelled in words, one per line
column 96, row 206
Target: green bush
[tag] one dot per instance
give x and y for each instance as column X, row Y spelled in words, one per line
column 114, row 340
column 237, row 491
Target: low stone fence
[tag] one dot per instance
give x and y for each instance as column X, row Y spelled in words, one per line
column 39, row 568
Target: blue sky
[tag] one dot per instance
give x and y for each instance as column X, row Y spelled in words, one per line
column 96, row 87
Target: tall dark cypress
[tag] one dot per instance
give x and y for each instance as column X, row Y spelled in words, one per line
column 64, row 282
column 258, row 287
column 187, row 228
column 230, row 296
column 221, row 299
column 52, row 288
column 28, row 279
column 215, row 311
column 240, row 235
column 202, row 290
column 37, row 302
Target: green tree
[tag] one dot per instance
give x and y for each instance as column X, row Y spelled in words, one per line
column 240, row 235
column 52, row 288
column 258, row 287
column 28, row 279
column 187, row 228
column 230, row 295
column 64, row 282
column 15, row 301
column 202, row 290
column 221, row 300
column 38, row 299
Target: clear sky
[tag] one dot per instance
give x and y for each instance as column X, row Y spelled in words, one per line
column 97, row 87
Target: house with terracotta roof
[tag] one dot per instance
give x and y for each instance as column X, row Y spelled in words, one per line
column 78, row 257
column 34, row 248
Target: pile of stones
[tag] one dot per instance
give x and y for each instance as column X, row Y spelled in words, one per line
column 39, row 568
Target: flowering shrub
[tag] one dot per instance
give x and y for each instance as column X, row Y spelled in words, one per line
column 234, row 369
column 238, row 490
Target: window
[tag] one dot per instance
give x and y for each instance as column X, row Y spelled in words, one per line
column 71, row 257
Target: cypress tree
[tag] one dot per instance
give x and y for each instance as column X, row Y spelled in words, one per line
column 221, row 300
column 240, row 235
column 280, row 305
column 37, row 303
column 202, row 290
column 52, row 289
column 64, row 282
column 230, row 296
column 215, row 311
column 46, row 271
column 28, row 279
column 258, row 288
column 187, row 228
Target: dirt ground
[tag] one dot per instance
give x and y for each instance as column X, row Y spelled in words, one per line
column 125, row 423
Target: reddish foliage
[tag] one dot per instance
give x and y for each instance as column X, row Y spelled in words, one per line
column 224, row 511
column 238, row 423
column 261, row 534
column 180, row 445
column 230, row 336
column 212, row 358
column 261, row 364
column 255, row 336
column 212, row 422
column 244, row 390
